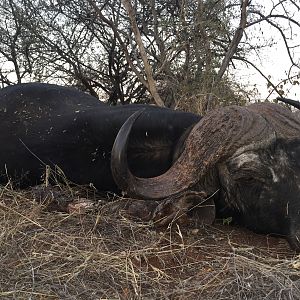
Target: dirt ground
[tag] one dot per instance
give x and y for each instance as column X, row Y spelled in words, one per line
column 100, row 253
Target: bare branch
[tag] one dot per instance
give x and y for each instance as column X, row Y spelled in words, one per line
column 235, row 41
column 269, row 82
column 124, row 48
column 231, row 50
column 147, row 67
column 267, row 19
column 273, row 16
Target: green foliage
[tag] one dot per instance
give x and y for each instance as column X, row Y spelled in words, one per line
column 227, row 221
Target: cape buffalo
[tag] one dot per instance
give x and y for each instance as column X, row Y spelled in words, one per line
column 44, row 124
column 249, row 154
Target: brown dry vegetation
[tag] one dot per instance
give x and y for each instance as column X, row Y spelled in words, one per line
column 102, row 254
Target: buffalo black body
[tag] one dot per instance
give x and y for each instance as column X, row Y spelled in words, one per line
column 43, row 124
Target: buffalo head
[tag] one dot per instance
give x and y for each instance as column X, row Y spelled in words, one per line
column 250, row 154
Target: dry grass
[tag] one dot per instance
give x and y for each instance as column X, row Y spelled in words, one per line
column 103, row 255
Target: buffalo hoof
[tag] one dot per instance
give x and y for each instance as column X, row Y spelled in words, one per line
column 178, row 208
column 52, row 197
column 141, row 209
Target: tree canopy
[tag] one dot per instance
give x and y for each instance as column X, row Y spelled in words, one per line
column 174, row 53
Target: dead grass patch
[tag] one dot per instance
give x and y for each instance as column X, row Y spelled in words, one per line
column 104, row 255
